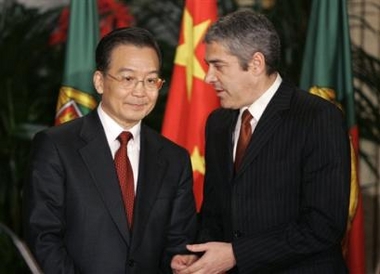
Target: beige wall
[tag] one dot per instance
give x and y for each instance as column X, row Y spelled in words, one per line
column 370, row 42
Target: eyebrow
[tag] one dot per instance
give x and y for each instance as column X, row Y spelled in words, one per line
column 214, row 61
column 132, row 70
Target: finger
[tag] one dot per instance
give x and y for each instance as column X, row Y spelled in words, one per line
column 177, row 263
column 178, row 268
column 197, row 247
column 190, row 269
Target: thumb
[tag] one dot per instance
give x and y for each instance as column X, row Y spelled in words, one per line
column 197, row 247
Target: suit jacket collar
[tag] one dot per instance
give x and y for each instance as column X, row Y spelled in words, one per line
column 150, row 179
column 268, row 123
column 222, row 136
column 97, row 156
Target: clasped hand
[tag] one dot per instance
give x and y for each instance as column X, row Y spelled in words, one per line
column 217, row 258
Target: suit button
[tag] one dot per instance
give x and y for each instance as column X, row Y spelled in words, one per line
column 131, row 263
column 237, row 234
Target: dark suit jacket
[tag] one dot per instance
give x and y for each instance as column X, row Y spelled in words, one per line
column 75, row 220
column 285, row 210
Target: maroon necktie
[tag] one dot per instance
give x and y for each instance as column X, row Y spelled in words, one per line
column 125, row 175
column 244, row 137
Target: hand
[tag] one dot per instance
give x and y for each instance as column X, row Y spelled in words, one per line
column 218, row 258
column 180, row 262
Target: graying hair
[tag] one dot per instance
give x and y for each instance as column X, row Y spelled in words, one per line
column 244, row 33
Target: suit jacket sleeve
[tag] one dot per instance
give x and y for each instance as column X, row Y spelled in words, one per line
column 44, row 200
column 182, row 226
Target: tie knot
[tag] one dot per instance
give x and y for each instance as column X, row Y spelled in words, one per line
column 246, row 117
column 124, row 137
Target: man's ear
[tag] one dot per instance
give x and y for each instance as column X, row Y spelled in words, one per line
column 98, row 80
column 257, row 63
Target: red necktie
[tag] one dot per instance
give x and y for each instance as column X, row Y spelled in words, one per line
column 125, row 175
column 244, row 137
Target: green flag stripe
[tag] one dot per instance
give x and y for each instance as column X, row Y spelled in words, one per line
column 327, row 57
column 82, row 39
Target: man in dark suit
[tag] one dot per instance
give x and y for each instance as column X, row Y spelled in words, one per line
column 279, row 205
column 76, row 221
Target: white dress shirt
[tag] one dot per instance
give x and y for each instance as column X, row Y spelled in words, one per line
column 112, row 130
column 256, row 109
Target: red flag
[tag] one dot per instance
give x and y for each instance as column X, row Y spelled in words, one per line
column 355, row 254
column 190, row 99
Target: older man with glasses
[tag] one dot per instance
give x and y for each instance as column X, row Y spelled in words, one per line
column 107, row 194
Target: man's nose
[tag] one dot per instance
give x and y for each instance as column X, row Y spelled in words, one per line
column 210, row 76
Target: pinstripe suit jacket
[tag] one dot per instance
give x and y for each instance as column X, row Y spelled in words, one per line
column 285, row 210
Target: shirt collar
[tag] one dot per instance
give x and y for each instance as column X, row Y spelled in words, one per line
column 113, row 129
column 257, row 108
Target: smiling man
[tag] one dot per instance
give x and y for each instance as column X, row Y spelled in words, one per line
column 105, row 193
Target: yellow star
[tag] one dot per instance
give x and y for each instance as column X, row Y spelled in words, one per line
column 198, row 161
column 185, row 54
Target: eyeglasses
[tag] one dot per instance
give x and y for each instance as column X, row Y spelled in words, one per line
column 128, row 82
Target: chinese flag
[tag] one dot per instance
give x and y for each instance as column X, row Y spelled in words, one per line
column 190, row 99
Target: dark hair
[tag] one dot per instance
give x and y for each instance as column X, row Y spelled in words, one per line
column 135, row 36
column 244, row 33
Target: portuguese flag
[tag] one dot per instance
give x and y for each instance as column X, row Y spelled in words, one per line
column 327, row 71
column 77, row 95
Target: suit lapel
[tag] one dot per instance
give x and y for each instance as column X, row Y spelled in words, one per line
column 151, row 171
column 230, row 131
column 268, row 123
column 97, row 156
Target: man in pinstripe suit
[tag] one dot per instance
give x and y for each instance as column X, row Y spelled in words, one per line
column 284, row 210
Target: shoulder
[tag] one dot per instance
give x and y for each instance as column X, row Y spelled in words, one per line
column 303, row 103
column 221, row 118
column 60, row 132
column 221, row 113
column 165, row 144
column 71, row 131
column 308, row 111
